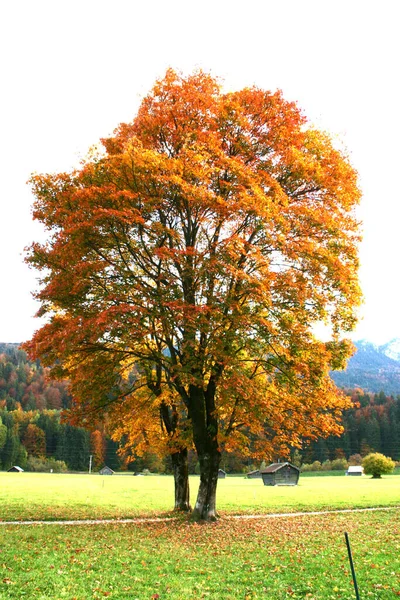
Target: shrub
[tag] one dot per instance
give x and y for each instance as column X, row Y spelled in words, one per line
column 377, row 464
column 339, row 464
column 305, row 468
column 355, row 460
column 45, row 465
column 315, row 466
column 326, row 465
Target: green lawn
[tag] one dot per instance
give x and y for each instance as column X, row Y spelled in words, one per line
column 233, row 559
column 269, row 559
column 51, row 496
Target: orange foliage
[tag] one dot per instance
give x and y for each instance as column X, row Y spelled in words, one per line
column 34, row 440
column 98, row 447
column 187, row 266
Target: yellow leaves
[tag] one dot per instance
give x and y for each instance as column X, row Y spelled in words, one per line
column 202, row 247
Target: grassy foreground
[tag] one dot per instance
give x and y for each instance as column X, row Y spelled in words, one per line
column 49, row 496
column 253, row 559
column 233, row 559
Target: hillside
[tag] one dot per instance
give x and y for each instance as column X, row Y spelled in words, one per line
column 372, row 368
column 31, row 426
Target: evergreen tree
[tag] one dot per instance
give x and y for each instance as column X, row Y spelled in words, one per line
column 112, row 458
column 3, row 434
column 387, row 445
column 11, row 450
column 78, row 441
column 373, row 434
column 50, row 423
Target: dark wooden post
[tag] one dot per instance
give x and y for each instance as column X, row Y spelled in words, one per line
column 353, row 573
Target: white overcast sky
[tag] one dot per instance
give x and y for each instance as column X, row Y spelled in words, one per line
column 72, row 71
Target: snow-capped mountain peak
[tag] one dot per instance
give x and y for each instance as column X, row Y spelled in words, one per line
column 392, row 349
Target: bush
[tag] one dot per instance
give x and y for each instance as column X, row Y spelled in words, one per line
column 339, row 464
column 305, row 468
column 377, row 464
column 315, row 466
column 355, row 460
column 326, row 465
column 45, row 465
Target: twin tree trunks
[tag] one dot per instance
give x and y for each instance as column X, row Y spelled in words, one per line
column 205, row 429
column 186, row 266
column 205, row 507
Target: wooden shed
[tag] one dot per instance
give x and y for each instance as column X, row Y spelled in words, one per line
column 15, row 469
column 221, row 474
column 280, row 474
column 356, row 470
column 106, row 471
column 254, row 474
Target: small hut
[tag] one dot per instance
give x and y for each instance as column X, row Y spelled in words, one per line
column 356, row 470
column 106, row 471
column 254, row 474
column 280, row 474
column 221, row 474
column 15, row 469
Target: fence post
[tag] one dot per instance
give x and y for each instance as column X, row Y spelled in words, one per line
column 353, row 573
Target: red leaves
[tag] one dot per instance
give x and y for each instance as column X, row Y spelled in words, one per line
column 198, row 252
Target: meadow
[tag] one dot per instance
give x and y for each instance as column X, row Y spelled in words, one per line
column 236, row 558
column 30, row 496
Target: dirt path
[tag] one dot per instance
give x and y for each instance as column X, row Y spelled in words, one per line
column 226, row 517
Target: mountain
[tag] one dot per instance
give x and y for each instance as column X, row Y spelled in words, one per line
column 392, row 349
column 372, row 368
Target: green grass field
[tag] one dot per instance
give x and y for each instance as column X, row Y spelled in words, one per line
column 235, row 558
column 50, row 496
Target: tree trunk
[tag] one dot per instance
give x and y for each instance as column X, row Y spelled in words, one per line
column 205, row 507
column 205, row 437
column 181, row 480
column 169, row 419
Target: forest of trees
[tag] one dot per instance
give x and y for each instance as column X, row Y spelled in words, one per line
column 30, row 419
column 373, row 425
column 31, row 427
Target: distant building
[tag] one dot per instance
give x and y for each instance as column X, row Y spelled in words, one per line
column 356, row 470
column 280, row 474
column 15, row 469
column 254, row 474
column 106, row 471
column 221, row 474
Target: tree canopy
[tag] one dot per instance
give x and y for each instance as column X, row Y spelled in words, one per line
column 186, row 266
column 376, row 464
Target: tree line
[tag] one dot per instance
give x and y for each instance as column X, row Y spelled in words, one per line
column 26, row 385
column 37, row 440
column 31, row 426
column 372, row 425
column 30, row 419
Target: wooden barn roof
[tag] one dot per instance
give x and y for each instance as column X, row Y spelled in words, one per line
column 276, row 466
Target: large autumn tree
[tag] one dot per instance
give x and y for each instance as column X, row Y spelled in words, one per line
column 186, row 267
